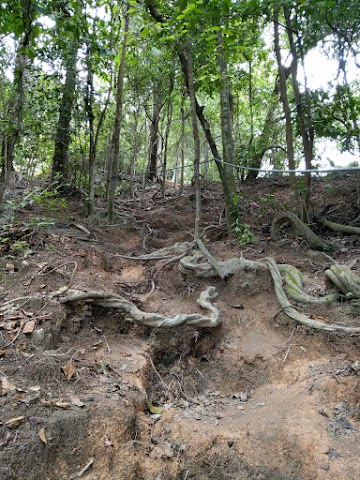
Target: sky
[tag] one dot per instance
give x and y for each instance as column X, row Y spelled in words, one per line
column 320, row 72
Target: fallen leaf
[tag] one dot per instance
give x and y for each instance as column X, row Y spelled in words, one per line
column 69, row 369
column 14, row 422
column 61, row 404
column 3, row 352
column 6, row 386
column 42, row 436
column 153, row 409
column 29, row 326
column 6, row 439
column 76, row 401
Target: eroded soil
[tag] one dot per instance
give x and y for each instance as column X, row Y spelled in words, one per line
column 258, row 397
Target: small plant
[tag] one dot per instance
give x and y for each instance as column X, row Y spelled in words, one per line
column 20, row 247
column 242, row 233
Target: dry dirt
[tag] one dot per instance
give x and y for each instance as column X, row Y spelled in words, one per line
column 258, row 397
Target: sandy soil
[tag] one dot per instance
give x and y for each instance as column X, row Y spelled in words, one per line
column 257, row 397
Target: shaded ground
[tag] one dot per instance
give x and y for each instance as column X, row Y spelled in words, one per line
column 256, row 398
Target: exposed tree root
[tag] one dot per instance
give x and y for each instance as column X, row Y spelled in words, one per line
column 295, row 289
column 189, row 265
column 313, row 240
column 133, row 314
column 337, row 227
column 163, row 254
column 347, row 281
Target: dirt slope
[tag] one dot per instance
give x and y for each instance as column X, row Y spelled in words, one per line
column 256, row 398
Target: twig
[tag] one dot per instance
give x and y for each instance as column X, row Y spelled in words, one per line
column 14, row 339
column 81, row 472
column 102, row 333
column 160, row 377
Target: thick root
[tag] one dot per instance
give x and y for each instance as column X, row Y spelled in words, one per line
column 313, row 240
column 134, row 314
column 347, row 281
column 337, row 227
column 236, row 265
column 295, row 289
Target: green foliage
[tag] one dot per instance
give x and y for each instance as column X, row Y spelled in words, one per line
column 242, row 232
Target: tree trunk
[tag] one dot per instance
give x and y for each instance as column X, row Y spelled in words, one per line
column 305, row 121
column 167, row 132
column 287, row 113
column 11, row 137
column 60, row 165
column 195, row 130
column 114, row 163
column 182, row 142
column 227, row 132
column 155, row 145
column 227, row 180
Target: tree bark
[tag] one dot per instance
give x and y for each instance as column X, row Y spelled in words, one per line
column 114, row 161
column 195, row 130
column 305, row 121
column 60, row 165
column 11, row 137
column 155, row 139
column 287, row 113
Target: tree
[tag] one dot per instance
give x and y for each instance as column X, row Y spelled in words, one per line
column 114, row 163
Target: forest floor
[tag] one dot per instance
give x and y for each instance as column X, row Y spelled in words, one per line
column 257, row 397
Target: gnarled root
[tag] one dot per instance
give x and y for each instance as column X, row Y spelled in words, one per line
column 337, row 227
column 294, row 286
column 347, row 281
column 313, row 240
column 134, row 314
column 235, row 265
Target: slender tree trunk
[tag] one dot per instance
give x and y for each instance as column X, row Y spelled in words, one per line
column 155, row 145
column 227, row 131
column 115, row 139
column 12, row 136
column 287, row 113
column 305, row 122
column 93, row 132
column 167, row 132
column 134, row 151
column 60, row 165
column 195, row 130
column 182, row 143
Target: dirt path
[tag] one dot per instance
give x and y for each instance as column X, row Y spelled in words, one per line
column 255, row 398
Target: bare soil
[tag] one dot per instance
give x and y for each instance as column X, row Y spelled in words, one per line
column 258, row 397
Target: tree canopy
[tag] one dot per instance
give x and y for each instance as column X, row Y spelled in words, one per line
column 88, row 83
